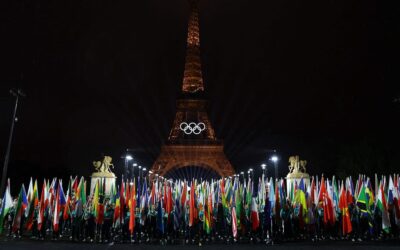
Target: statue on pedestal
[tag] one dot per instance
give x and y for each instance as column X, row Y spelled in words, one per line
column 297, row 171
column 103, row 173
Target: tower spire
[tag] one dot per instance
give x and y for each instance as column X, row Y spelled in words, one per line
column 192, row 76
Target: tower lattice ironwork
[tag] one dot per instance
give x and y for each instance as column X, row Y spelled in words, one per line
column 192, row 140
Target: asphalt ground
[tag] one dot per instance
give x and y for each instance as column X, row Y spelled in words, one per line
column 24, row 244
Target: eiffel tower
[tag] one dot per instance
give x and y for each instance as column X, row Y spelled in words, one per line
column 192, row 140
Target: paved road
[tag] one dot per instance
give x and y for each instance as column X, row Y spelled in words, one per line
column 36, row 245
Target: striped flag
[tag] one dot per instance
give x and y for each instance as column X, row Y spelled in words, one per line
column 20, row 209
column 382, row 206
column 7, row 204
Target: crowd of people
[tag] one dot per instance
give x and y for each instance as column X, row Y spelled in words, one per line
column 233, row 209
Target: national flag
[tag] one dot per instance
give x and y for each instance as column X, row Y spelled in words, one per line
column 207, row 214
column 261, row 192
column 313, row 193
column 349, row 191
column 249, row 195
column 267, row 213
column 29, row 195
column 117, row 211
column 59, row 203
column 67, row 211
column 363, row 205
column 277, row 207
column 271, row 194
column 31, row 207
column 96, row 197
column 326, row 203
column 132, row 209
column 7, row 204
column 370, row 194
column 300, row 200
column 183, row 197
column 160, row 217
column 234, row 223
column 153, row 195
column 143, row 203
column 343, row 206
column 393, row 199
column 169, row 202
column 362, row 201
column 20, row 209
column 42, row 205
column 99, row 215
column 81, row 191
column 192, row 208
column 255, row 220
column 122, row 201
column 383, row 207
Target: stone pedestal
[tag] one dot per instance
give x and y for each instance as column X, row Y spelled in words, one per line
column 109, row 179
column 296, row 178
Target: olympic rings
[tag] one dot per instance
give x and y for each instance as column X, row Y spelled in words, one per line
column 192, row 128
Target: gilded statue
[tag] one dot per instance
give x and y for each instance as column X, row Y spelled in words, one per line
column 303, row 164
column 104, row 166
column 297, row 165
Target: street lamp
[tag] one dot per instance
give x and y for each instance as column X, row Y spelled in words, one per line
column 140, row 174
column 242, row 174
column 275, row 160
column 17, row 93
column 133, row 169
column 264, row 167
column 250, row 171
column 127, row 158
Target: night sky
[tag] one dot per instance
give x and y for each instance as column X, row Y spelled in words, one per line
column 313, row 78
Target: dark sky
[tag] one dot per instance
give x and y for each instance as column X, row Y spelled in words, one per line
column 303, row 77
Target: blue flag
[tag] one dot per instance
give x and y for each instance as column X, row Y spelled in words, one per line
column 160, row 217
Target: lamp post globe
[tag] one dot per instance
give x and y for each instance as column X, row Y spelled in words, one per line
column 275, row 160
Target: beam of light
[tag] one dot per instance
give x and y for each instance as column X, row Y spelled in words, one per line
column 192, row 172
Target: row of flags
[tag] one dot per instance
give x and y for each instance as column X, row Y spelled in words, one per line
column 188, row 202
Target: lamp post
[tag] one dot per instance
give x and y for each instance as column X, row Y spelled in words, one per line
column 127, row 158
column 264, row 168
column 251, row 173
column 275, row 160
column 251, row 179
column 17, row 94
column 144, row 174
column 133, row 170
column 140, row 174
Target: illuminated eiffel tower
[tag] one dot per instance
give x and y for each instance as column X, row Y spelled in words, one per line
column 192, row 141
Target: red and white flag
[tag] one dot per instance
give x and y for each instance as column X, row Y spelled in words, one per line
column 254, row 215
column 234, row 223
